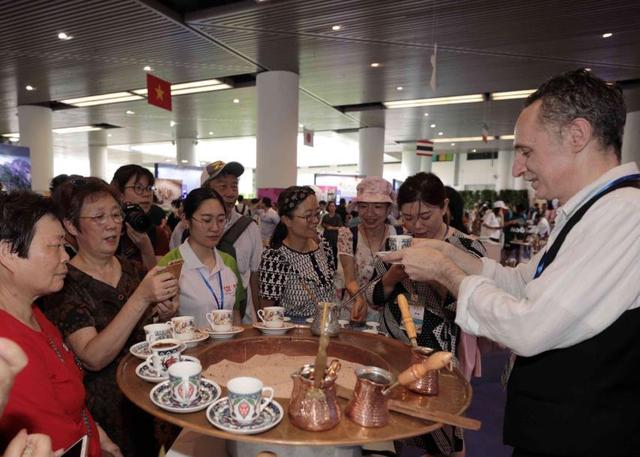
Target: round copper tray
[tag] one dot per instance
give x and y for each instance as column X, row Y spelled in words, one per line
column 369, row 349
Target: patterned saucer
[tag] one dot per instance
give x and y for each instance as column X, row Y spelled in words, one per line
column 162, row 397
column 225, row 335
column 140, row 350
column 286, row 326
column 198, row 337
column 218, row 415
column 149, row 374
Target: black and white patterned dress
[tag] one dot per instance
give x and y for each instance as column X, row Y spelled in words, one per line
column 298, row 280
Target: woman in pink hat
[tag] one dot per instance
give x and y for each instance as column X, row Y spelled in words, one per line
column 357, row 246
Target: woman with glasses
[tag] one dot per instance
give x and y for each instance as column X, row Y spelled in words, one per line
column 297, row 270
column 105, row 302
column 423, row 201
column 209, row 278
column 135, row 184
column 357, row 246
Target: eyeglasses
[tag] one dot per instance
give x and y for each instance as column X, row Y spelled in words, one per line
column 310, row 217
column 210, row 220
column 101, row 219
column 139, row 189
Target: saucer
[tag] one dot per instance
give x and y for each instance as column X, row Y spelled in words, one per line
column 144, row 371
column 225, row 335
column 286, row 326
column 162, row 397
column 140, row 350
column 199, row 336
column 218, row 415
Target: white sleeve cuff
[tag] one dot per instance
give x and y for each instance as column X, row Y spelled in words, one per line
column 489, row 267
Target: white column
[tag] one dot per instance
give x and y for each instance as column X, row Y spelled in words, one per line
column 457, row 158
column 425, row 163
column 504, row 170
column 410, row 161
column 98, row 154
column 277, row 129
column 371, row 157
column 631, row 139
column 35, row 133
column 186, row 151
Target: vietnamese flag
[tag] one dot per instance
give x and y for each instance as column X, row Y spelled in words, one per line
column 158, row 92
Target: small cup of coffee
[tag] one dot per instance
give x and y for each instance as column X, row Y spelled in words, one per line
column 398, row 242
column 247, row 398
column 184, row 378
column 164, row 353
column 220, row 320
column 272, row 316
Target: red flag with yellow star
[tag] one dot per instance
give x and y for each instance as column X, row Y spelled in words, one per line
column 158, row 92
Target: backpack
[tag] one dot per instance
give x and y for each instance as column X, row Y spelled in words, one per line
column 230, row 236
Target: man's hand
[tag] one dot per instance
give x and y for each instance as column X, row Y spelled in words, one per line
column 36, row 445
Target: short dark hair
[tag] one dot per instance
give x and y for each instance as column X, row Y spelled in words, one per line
column 59, row 180
column 20, row 211
column 177, row 203
column 240, row 198
column 425, row 187
column 267, row 201
column 71, row 195
column 123, row 174
column 580, row 94
column 197, row 196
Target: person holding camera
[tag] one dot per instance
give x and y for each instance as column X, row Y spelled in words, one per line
column 104, row 304
column 142, row 240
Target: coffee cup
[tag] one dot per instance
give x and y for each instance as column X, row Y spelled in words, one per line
column 398, row 242
column 164, row 353
column 183, row 327
column 155, row 332
column 184, row 379
column 272, row 316
column 220, row 320
column 246, row 398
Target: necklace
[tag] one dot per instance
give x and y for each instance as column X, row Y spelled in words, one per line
column 379, row 241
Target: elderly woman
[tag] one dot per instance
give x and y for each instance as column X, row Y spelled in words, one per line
column 135, row 184
column 105, row 302
column 48, row 396
column 209, row 278
column 423, row 205
column 357, row 246
column 297, row 270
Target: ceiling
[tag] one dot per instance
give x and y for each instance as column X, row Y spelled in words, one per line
column 483, row 46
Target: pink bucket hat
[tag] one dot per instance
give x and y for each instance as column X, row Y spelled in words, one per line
column 374, row 189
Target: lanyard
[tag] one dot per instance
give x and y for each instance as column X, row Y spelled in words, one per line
column 219, row 303
column 549, row 255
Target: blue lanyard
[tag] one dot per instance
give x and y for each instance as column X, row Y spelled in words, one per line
column 543, row 261
column 219, row 303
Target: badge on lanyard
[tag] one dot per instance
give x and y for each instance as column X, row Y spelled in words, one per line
column 417, row 314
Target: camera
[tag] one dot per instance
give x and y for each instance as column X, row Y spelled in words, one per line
column 135, row 216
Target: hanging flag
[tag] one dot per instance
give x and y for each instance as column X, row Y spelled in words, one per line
column 485, row 133
column 158, row 92
column 308, row 137
column 434, row 56
column 424, row 148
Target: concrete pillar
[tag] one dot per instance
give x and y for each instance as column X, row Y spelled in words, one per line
column 425, row 163
column 371, row 157
column 457, row 158
column 504, row 171
column 186, row 151
column 35, row 133
column 277, row 130
column 410, row 161
column 98, row 154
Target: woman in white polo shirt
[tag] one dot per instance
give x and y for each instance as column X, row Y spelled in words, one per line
column 209, row 278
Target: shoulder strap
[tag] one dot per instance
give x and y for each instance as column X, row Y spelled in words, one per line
column 354, row 238
column 550, row 254
column 234, row 232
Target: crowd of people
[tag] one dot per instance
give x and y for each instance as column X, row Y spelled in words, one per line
column 84, row 270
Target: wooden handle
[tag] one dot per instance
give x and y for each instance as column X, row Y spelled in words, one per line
column 420, row 370
column 409, row 410
column 407, row 320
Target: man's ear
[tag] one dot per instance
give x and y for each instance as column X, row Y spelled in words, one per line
column 69, row 227
column 579, row 133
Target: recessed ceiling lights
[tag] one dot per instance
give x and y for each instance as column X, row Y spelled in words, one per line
column 14, row 139
column 64, row 36
column 399, row 88
column 300, row 126
column 147, row 68
column 440, row 133
column 587, row 69
column 29, row 87
column 184, row 161
column 109, row 135
column 335, row 28
column 129, row 112
column 375, row 64
column 473, row 98
column 172, row 123
column 236, row 100
column 210, row 133
column 433, row 126
column 474, row 150
column 167, row 160
column 426, row 114
column 512, row 94
column 607, row 35
column 453, row 144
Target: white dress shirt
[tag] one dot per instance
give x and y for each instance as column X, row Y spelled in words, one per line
column 594, row 278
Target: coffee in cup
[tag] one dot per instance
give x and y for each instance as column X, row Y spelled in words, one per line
column 184, row 379
column 220, row 320
column 272, row 316
column 246, row 400
column 164, row 353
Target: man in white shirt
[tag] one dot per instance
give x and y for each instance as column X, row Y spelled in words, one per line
column 542, row 227
column 268, row 219
column 492, row 221
column 571, row 314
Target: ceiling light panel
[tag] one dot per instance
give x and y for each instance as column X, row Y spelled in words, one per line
column 104, row 99
column 83, row 128
column 473, row 98
column 512, row 95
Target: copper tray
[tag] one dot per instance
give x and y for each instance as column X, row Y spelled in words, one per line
column 365, row 348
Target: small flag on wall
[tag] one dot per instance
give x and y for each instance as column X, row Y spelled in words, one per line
column 308, row 137
column 424, row 148
column 485, row 133
column 158, row 92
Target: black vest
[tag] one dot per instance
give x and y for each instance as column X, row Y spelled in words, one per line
column 582, row 400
